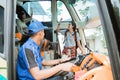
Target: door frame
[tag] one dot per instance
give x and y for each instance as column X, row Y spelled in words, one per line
column 108, row 21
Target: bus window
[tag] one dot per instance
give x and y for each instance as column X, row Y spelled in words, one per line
column 1, row 30
column 62, row 12
column 3, row 63
column 41, row 10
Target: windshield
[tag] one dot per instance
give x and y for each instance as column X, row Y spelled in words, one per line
column 88, row 14
column 82, row 7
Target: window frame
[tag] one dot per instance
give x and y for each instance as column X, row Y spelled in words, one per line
column 109, row 22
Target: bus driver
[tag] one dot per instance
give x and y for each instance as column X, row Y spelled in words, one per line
column 29, row 61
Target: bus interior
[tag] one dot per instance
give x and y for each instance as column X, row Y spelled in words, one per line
column 98, row 24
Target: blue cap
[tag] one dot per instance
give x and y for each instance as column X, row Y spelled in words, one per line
column 35, row 27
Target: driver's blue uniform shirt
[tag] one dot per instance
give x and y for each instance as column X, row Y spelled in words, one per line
column 28, row 57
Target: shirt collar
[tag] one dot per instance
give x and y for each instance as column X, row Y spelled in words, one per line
column 72, row 33
column 34, row 43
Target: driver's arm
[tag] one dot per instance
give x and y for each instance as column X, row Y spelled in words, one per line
column 46, row 73
column 51, row 62
column 43, row 74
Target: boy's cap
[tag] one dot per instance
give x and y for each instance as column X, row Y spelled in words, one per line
column 35, row 27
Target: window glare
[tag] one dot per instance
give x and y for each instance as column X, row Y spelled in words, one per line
column 81, row 8
column 62, row 12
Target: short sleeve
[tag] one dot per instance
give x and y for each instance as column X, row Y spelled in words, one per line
column 30, row 59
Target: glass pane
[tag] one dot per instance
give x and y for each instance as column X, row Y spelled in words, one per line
column 82, row 7
column 3, row 63
column 95, row 39
column 62, row 12
column 1, row 30
column 41, row 10
column 89, row 16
